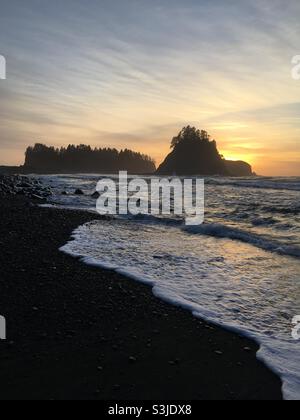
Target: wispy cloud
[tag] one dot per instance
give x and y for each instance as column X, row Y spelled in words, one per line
column 133, row 72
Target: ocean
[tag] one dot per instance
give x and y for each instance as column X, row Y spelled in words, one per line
column 239, row 270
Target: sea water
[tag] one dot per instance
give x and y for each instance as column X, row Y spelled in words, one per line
column 240, row 269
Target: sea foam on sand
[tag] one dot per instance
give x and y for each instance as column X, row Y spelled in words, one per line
column 230, row 283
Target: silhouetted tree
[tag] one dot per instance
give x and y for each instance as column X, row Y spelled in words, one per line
column 190, row 134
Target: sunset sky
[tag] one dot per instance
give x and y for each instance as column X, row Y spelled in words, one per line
column 132, row 73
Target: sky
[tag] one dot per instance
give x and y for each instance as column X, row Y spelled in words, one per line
column 132, row 73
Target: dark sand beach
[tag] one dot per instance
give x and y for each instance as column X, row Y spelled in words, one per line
column 78, row 332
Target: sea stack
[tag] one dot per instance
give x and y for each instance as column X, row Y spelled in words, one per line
column 194, row 153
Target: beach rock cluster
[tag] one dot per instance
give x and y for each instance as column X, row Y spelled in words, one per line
column 22, row 185
column 79, row 192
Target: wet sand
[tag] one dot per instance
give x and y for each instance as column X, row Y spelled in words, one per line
column 79, row 332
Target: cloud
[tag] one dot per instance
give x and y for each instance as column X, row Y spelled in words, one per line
column 134, row 72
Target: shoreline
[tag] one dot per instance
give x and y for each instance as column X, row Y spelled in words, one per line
column 82, row 332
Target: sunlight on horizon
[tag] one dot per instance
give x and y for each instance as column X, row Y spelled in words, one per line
column 121, row 75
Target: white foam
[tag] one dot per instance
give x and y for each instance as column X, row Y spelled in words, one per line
column 231, row 284
column 265, row 217
column 223, row 231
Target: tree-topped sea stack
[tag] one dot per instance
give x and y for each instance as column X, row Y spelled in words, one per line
column 194, row 153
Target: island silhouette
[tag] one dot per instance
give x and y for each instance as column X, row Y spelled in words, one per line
column 194, row 153
column 85, row 159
